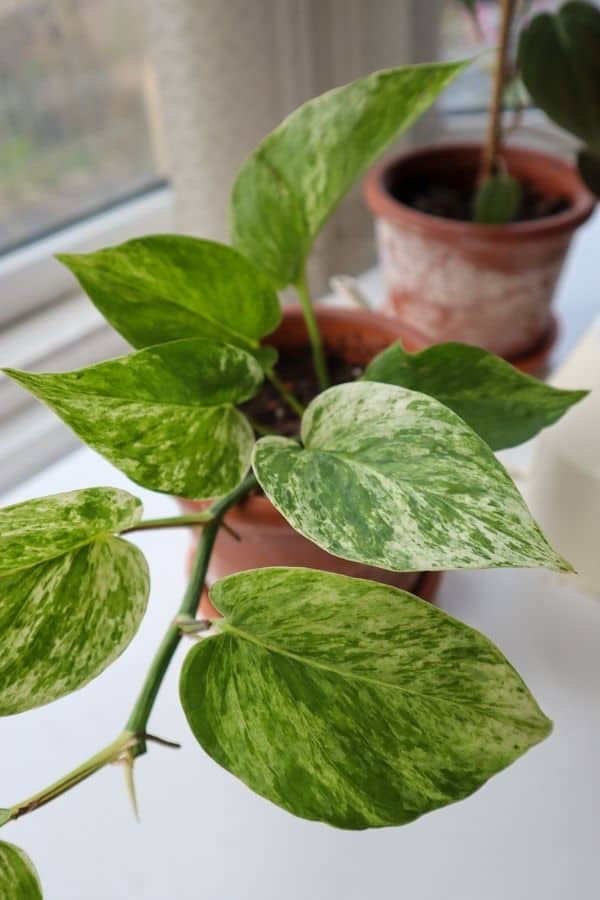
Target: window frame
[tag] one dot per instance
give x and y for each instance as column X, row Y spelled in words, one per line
column 30, row 277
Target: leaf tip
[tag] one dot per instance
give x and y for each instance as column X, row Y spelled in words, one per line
column 65, row 258
column 547, row 725
column 5, row 816
column 15, row 374
column 563, row 565
column 578, row 395
column 71, row 261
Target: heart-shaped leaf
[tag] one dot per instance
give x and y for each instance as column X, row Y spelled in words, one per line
column 352, row 702
column 71, row 594
column 18, row 878
column 504, row 406
column 166, row 287
column 392, row 478
column 290, row 184
column 497, row 200
column 164, row 415
column 559, row 58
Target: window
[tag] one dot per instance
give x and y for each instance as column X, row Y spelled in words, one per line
column 79, row 138
column 77, row 113
column 81, row 166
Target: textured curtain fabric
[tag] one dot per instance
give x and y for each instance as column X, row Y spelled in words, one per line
column 230, row 70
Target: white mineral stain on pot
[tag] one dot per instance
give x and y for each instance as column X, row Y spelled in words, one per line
column 444, row 296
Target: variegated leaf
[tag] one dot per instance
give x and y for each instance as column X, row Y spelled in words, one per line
column 290, row 184
column 47, row 527
column 504, row 406
column 18, row 878
column 71, row 594
column 166, row 287
column 164, row 415
column 392, row 478
column 352, row 702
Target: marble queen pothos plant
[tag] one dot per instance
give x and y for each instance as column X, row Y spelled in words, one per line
column 341, row 700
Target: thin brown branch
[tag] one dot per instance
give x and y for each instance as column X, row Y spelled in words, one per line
column 493, row 140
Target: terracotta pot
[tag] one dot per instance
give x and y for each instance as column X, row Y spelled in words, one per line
column 266, row 537
column 489, row 285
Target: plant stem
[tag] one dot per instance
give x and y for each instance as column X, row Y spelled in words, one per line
column 138, row 720
column 313, row 332
column 494, row 133
column 173, row 522
column 108, row 754
column 132, row 741
column 287, row 396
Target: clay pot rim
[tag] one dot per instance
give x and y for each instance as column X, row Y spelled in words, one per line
column 356, row 315
column 532, row 360
column 384, row 206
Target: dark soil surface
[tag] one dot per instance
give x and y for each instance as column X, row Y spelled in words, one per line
column 296, row 372
column 451, row 202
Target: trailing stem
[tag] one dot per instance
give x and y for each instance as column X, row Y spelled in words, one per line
column 109, row 754
column 132, row 740
column 138, row 720
column 314, row 334
column 493, row 140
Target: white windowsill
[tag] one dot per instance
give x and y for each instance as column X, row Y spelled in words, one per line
column 30, row 277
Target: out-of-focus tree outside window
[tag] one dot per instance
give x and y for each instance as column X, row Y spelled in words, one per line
column 78, row 114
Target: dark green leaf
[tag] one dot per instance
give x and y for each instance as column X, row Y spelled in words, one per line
column 71, row 594
column 352, row 702
column 392, row 478
column 166, row 287
column 287, row 188
column 559, row 58
column 18, row 878
column 589, row 169
column 497, row 201
column 504, row 406
column 164, row 415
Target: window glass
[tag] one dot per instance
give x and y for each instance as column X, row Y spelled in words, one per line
column 78, row 112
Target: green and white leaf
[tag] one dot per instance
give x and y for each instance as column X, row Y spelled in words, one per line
column 504, row 406
column 352, row 702
column 18, row 878
column 72, row 595
column 392, row 478
column 559, row 59
column 164, row 415
column 44, row 528
column 291, row 183
column 497, row 201
column 166, row 287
